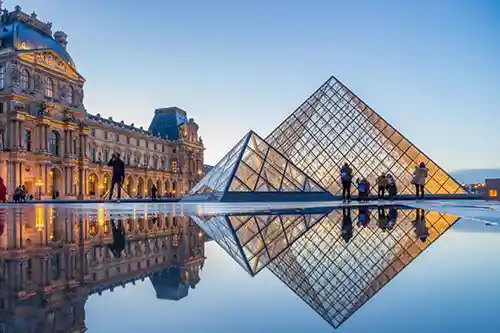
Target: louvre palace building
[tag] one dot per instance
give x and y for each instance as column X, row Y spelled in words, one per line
column 50, row 143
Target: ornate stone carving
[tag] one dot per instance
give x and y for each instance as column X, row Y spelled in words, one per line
column 79, row 96
column 38, row 82
column 15, row 75
column 43, row 110
column 63, row 91
column 68, row 116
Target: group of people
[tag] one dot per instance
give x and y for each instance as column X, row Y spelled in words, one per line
column 386, row 221
column 386, row 183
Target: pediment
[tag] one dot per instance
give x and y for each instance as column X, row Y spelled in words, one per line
column 50, row 60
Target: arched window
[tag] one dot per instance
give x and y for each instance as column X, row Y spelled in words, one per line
column 71, row 93
column 25, row 79
column 49, row 87
column 54, row 143
column 2, row 76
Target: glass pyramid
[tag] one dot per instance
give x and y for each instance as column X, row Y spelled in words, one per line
column 255, row 171
column 253, row 240
column 334, row 126
column 337, row 266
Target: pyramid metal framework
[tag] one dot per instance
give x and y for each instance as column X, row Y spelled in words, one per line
column 254, row 240
column 335, row 126
column 255, row 171
column 336, row 277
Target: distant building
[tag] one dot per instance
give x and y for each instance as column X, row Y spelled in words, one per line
column 477, row 188
column 492, row 189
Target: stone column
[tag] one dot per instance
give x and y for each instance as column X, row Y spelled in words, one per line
column 20, row 134
column 15, row 167
column 12, row 136
column 20, row 173
column 43, row 142
column 45, row 138
column 71, row 140
column 46, row 179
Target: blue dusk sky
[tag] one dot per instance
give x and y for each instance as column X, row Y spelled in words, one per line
column 431, row 68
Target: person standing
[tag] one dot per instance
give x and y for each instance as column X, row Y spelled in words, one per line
column 154, row 192
column 3, row 191
column 346, row 179
column 118, row 174
column 382, row 185
column 419, row 178
column 392, row 188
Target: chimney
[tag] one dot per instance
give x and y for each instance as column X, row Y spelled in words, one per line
column 61, row 38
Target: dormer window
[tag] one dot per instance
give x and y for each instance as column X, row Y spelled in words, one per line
column 49, row 88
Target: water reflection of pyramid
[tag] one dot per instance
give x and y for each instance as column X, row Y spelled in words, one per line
column 255, row 171
column 333, row 262
column 253, row 240
column 336, row 278
column 334, row 126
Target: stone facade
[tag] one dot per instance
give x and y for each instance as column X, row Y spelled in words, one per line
column 50, row 144
column 52, row 261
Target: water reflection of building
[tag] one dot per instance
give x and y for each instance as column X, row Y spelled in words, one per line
column 50, row 263
column 334, row 260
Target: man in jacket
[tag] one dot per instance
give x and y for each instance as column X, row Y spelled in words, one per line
column 346, row 179
column 118, row 174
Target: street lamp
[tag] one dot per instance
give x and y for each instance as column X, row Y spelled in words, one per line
column 39, row 184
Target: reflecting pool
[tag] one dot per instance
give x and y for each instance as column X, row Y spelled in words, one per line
column 351, row 269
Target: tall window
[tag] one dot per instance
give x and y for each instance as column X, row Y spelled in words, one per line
column 27, row 140
column 75, row 148
column 174, row 166
column 54, row 143
column 49, row 87
column 92, row 132
column 70, row 95
column 117, row 137
column 2, row 76
column 93, row 154
column 106, row 155
column 25, row 79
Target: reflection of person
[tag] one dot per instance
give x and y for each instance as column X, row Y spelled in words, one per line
column 393, row 217
column 420, row 225
column 118, row 174
column 382, row 219
column 364, row 216
column 346, row 225
column 118, row 244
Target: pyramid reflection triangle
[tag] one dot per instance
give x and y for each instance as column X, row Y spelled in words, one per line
column 255, row 171
column 334, row 126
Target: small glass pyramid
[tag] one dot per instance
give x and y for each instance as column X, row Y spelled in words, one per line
column 255, row 171
column 335, row 126
column 254, row 240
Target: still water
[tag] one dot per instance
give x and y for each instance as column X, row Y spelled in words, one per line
column 378, row 269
